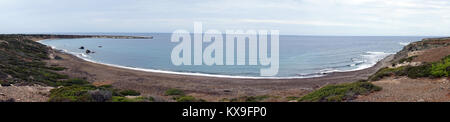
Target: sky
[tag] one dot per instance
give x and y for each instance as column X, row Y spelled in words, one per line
column 290, row 17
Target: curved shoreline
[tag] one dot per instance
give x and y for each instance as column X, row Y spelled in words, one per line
column 312, row 75
column 185, row 73
column 205, row 74
column 208, row 88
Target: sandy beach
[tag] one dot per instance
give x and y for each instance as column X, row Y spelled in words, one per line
column 207, row 88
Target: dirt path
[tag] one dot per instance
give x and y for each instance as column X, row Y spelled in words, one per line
column 33, row 93
column 404, row 89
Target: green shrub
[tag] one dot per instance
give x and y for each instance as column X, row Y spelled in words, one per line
column 23, row 60
column 119, row 99
column 74, row 93
column 56, row 68
column 441, row 69
column 129, row 93
column 340, row 92
column 90, row 93
column 384, row 72
column 418, row 71
column 137, row 99
column 74, row 81
column 188, row 99
column 436, row 69
column 174, row 91
column 106, row 86
column 292, row 98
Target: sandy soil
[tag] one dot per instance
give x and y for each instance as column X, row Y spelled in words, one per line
column 433, row 55
column 403, row 89
column 208, row 88
column 33, row 93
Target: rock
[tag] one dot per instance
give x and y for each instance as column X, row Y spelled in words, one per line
column 81, row 48
column 88, row 51
column 100, row 46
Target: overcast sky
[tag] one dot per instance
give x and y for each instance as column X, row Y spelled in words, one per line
column 294, row 17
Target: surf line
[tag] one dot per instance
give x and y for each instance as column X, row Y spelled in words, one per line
column 213, row 53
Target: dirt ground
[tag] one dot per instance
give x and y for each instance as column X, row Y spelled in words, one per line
column 403, row 89
column 33, row 93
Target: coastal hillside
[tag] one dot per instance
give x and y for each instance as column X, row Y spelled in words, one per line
column 32, row 72
column 25, row 75
column 418, row 73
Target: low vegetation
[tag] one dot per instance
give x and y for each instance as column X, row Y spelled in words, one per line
column 340, row 92
column 432, row 70
column 386, row 72
column 409, row 59
column 130, row 93
column 22, row 62
column 174, row 91
column 290, row 98
column 442, row 68
column 247, row 99
column 187, row 99
column 137, row 99
column 90, row 93
column 180, row 96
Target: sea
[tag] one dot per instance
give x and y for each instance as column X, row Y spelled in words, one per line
column 299, row 56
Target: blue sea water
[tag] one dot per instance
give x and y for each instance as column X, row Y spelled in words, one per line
column 300, row 56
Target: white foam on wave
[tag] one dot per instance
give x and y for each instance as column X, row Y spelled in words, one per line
column 404, row 43
column 368, row 60
column 195, row 74
column 83, row 55
column 328, row 70
column 371, row 58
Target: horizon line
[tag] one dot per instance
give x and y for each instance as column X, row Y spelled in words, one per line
column 336, row 35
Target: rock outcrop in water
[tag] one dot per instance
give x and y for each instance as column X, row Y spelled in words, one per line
column 88, row 51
